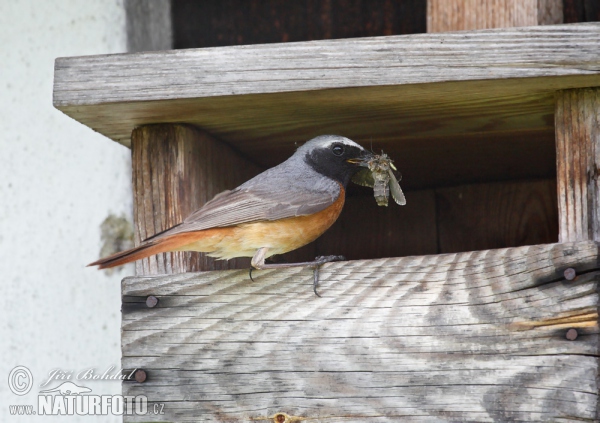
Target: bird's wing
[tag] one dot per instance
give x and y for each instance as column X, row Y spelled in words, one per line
column 245, row 205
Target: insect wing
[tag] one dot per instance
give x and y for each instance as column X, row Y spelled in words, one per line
column 395, row 189
column 364, row 177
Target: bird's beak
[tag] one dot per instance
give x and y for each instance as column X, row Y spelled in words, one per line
column 361, row 161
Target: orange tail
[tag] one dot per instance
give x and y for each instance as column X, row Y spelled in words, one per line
column 147, row 249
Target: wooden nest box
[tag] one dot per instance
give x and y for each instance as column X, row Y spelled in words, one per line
column 477, row 301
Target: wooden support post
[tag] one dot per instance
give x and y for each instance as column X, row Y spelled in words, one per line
column 577, row 122
column 458, row 15
column 176, row 169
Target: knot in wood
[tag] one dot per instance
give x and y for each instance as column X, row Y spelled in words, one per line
column 285, row 418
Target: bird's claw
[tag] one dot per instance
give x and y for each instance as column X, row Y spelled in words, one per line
column 319, row 261
column 316, row 264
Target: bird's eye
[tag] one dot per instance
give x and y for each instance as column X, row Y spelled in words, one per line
column 338, row 149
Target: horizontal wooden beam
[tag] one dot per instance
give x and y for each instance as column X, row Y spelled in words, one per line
column 255, row 90
column 497, row 335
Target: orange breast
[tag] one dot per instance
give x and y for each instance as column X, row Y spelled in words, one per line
column 278, row 236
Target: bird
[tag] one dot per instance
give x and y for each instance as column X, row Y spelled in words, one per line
column 277, row 211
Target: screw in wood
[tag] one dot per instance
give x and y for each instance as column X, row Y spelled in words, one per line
column 571, row 334
column 151, row 301
column 280, row 418
column 140, row 375
column 570, row 274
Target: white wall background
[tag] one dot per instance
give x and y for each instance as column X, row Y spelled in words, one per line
column 58, row 181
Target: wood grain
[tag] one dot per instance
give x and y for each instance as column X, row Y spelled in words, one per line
column 183, row 84
column 176, row 169
column 507, row 214
column 149, row 25
column 550, row 12
column 459, row 15
column 476, row 336
column 578, row 164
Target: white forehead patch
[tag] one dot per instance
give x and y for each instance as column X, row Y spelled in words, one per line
column 325, row 141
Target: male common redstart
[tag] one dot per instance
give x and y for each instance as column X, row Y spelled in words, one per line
column 277, row 211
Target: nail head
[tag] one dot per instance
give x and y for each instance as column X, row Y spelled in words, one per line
column 571, row 334
column 570, row 274
column 140, row 375
column 151, row 301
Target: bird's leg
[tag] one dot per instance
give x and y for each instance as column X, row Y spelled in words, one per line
column 258, row 262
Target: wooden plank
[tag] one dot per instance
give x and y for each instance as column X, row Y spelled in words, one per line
column 176, row 169
column 476, row 336
column 148, row 25
column 578, row 164
column 496, row 215
column 550, row 12
column 460, row 15
column 252, row 91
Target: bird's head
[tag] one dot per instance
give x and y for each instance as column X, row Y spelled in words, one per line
column 334, row 156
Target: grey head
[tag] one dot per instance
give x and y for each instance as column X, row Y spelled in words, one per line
column 333, row 156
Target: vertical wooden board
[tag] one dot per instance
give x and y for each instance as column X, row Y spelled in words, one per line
column 176, row 169
column 476, row 336
column 149, row 25
column 550, row 12
column 577, row 123
column 496, row 215
column 458, row 15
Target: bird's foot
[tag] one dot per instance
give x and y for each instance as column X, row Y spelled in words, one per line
column 258, row 262
column 319, row 261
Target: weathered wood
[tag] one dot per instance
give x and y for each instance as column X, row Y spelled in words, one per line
column 476, row 336
column 550, row 12
column 148, row 25
column 497, row 215
column 458, row 15
column 419, row 97
column 578, row 164
column 176, row 169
